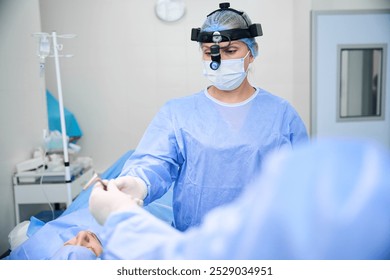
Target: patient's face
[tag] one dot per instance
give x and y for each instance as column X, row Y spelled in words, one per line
column 87, row 239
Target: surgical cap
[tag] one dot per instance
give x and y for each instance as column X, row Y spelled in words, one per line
column 224, row 20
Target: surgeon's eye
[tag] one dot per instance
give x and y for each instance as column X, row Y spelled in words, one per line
column 206, row 53
column 230, row 51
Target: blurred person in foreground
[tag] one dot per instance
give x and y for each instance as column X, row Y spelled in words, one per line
column 327, row 200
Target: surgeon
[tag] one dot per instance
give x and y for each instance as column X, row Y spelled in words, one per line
column 326, row 201
column 210, row 145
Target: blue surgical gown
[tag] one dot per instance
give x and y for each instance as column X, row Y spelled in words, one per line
column 328, row 200
column 210, row 150
column 74, row 252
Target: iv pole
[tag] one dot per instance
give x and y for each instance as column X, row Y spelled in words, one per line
column 68, row 180
column 44, row 52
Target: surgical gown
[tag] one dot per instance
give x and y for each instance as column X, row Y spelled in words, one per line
column 210, row 150
column 328, row 200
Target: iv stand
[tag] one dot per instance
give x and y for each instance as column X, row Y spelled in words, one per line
column 44, row 51
column 68, row 180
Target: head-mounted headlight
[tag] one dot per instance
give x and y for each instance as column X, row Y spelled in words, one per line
column 229, row 35
column 253, row 30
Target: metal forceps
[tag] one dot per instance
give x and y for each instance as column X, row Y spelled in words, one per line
column 95, row 178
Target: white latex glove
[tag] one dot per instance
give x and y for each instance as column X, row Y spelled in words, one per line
column 133, row 186
column 103, row 203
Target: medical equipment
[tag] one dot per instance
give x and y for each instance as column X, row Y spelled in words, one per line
column 95, row 178
column 44, row 48
column 30, row 164
column 44, row 51
column 229, row 35
column 215, row 51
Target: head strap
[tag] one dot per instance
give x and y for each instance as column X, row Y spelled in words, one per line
column 252, row 31
column 225, row 6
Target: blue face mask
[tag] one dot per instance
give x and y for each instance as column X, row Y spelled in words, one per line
column 230, row 74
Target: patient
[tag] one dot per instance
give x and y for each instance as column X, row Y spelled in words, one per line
column 87, row 239
column 84, row 246
column 329, row 200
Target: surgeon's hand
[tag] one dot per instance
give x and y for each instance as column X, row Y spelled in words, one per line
column 103, row 203
column 133, row 186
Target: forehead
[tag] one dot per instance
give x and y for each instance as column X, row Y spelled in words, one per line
column 237, row 44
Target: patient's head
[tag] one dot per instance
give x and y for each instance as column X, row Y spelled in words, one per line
column 84, row 246
column 87, row 239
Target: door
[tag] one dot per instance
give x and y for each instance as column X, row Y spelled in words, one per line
column 350, row 80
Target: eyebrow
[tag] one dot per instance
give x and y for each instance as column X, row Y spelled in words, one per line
column 232, row 44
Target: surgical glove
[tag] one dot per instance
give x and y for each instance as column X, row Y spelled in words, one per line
column 102, row 203
column 133, row 186
column 136, row 192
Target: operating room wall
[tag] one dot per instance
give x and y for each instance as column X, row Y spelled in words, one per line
column 22, row 105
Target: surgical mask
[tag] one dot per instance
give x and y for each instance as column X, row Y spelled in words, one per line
column 230, row 74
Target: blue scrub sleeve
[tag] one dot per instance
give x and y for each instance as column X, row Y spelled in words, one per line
column 297, row 128
column 156, row 160
column 137, row 234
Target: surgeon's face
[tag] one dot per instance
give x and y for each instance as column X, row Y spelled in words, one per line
column 236, row 49
column 87, row 239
